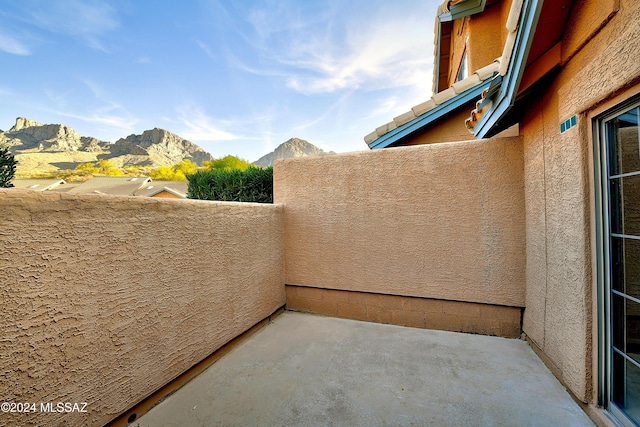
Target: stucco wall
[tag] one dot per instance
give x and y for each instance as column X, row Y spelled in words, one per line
column 443, row 221
column 105, row 299
column 484, row 47
column 601, row 47
column 448, row 129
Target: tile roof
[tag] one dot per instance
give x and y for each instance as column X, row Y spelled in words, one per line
column 437, row 99
column 497, row 68
column 512, row 26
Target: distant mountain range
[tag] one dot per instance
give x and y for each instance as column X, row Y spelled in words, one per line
column 50, row 147
column 294, row 147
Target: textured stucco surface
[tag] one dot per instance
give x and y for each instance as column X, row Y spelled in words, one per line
column 106, row 299
column 442, row 221
column 455, row 316
column 448, row 129
column 602, row 46
column 484, row 47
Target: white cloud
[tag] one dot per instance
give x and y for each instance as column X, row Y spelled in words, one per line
column 381, row 47
column 385, row 107
column 324, row 116
column 11, row 45
column 380, row 58
column 205, row 48
column 87, row 21
column 95, row 87
column 200, row 127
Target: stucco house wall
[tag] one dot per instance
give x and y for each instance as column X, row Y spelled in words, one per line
column 599, row 67
column 485, row 45
column 601, row 55
column 481, row 36
column 105, row 299
column 450, row 128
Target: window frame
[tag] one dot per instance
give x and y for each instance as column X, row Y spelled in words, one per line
column 603, row 256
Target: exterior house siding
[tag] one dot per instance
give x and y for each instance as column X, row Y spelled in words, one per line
column 601, row 48
column 597, row 65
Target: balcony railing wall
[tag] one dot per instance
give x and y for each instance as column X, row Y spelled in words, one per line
column 106, row 299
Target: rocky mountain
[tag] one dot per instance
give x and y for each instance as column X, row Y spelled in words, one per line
column 294, row 147
column 160, row 146
column 55, row 146
column 30, row 135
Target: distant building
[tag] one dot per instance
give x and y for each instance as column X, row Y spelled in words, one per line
column 40, row 184
column 115, row 186
column 166, row 189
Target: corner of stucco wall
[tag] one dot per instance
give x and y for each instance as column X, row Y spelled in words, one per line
column 126, row 293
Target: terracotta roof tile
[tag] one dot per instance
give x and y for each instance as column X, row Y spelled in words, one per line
column 385, row 128
column 443, row 96
column 506, row 53
column 371, row 137
column 488, row 71
column 459, row 87
column 404, row 118
column 444, row 7
column 470, row 123
column 514, row 15
column 155, row 187
column 500, row 66
column 504, row 60
column 466, row 84
column 420, row 109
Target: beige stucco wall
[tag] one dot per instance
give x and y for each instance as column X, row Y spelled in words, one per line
column 484, row 46
column 601, row 48
column 105, row 299
column 448, row 129
column 442, row 221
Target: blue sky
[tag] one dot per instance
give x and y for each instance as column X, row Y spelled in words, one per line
column 235, row 77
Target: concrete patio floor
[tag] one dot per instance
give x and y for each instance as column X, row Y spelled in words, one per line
column 309, row 370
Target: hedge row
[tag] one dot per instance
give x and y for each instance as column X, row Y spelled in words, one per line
column 251, row 185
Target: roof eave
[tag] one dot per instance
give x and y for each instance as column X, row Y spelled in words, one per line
column 427, row 118
column 168, row 190
column 505, row 98
column 463, row 9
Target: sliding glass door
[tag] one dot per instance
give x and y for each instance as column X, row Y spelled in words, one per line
column 620, row 147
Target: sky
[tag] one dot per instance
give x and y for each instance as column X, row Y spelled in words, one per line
column 235, row 77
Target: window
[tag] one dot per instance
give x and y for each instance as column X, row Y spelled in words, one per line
column 618, row 148
column 464, row 68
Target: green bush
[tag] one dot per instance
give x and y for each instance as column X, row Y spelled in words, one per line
column 227, row 162
column 7, row 168
column 251, row 185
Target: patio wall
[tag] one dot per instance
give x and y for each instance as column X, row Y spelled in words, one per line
column 428, row 236
column 105, row 299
